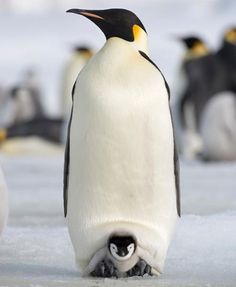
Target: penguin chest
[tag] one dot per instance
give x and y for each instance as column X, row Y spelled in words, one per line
column 121, row 143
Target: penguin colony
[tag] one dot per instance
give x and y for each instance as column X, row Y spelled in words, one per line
column 207, row 76
column 121, row 181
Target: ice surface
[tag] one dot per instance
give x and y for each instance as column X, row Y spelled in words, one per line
column 35, row 249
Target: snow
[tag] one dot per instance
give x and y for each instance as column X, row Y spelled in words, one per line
column 35, row 248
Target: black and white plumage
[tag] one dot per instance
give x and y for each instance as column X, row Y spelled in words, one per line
column 227, row 56
column 121, row 168
column 218, row 128
column 219, row 132
column 203, row 76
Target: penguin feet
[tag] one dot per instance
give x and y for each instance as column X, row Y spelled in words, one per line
column 140, row 269
column 105, row 269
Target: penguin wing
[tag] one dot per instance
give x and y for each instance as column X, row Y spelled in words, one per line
column 176, row 159
column 176, row 172
column 67, row 159
column 149, row 60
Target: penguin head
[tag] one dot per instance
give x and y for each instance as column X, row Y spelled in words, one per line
column 85, row 51
column 120, row 23
column 195, row 47
column 121, row 247
column 230, row 36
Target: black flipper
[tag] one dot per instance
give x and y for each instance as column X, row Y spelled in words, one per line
column 149, row 60
column 176, row 172
column 176, row 159
column 67, row 159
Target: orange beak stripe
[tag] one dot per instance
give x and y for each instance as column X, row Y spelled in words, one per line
column 88, row 14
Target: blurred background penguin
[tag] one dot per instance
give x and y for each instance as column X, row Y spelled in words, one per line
column 218, row 123
column 204, row 74
column 80, row 56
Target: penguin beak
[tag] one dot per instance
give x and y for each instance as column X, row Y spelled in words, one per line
column 91, row 14
column 121, row 253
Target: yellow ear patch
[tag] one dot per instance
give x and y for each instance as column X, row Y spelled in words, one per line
column 3, row 134
column 230, row 36
column 136, row 32
column 87, row 54
column 199, row 49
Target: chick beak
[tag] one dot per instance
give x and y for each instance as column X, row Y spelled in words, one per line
column 87, row 13
column 122, row 253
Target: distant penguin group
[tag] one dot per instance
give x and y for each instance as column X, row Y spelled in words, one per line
column 205, row 76
column 121, row 176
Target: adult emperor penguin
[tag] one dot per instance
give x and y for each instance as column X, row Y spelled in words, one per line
column 79, row 58
column 3, row 202
column 203, row 76
column 121, row 182
column 81, row 55
column 227, row 54
column 190, row 79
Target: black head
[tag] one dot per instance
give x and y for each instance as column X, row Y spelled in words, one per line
column 191, row 41
column 122, row 247
column 82, row 49
column 114, row 22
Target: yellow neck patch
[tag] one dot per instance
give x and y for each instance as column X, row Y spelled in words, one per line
column 3, row 134
column 231, row 36
column 87, row 54
column 198, row 50
column 136, row 32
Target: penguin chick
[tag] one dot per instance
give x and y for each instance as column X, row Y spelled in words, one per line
column 122, row 247
column 125, row 256
column 121, row 257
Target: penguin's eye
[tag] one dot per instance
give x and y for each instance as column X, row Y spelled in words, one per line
column 130, row 247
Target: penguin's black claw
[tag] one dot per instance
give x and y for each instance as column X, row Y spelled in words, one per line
column 105, row 269
column 140, row 269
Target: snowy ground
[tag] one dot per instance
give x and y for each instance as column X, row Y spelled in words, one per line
column 35, row 249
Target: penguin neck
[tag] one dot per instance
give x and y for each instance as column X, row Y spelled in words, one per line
column 141, row 42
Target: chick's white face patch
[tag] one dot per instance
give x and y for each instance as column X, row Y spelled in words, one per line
column 114, row 252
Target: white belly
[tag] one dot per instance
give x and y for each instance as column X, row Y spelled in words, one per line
column 218, row 127
column 121, row 159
